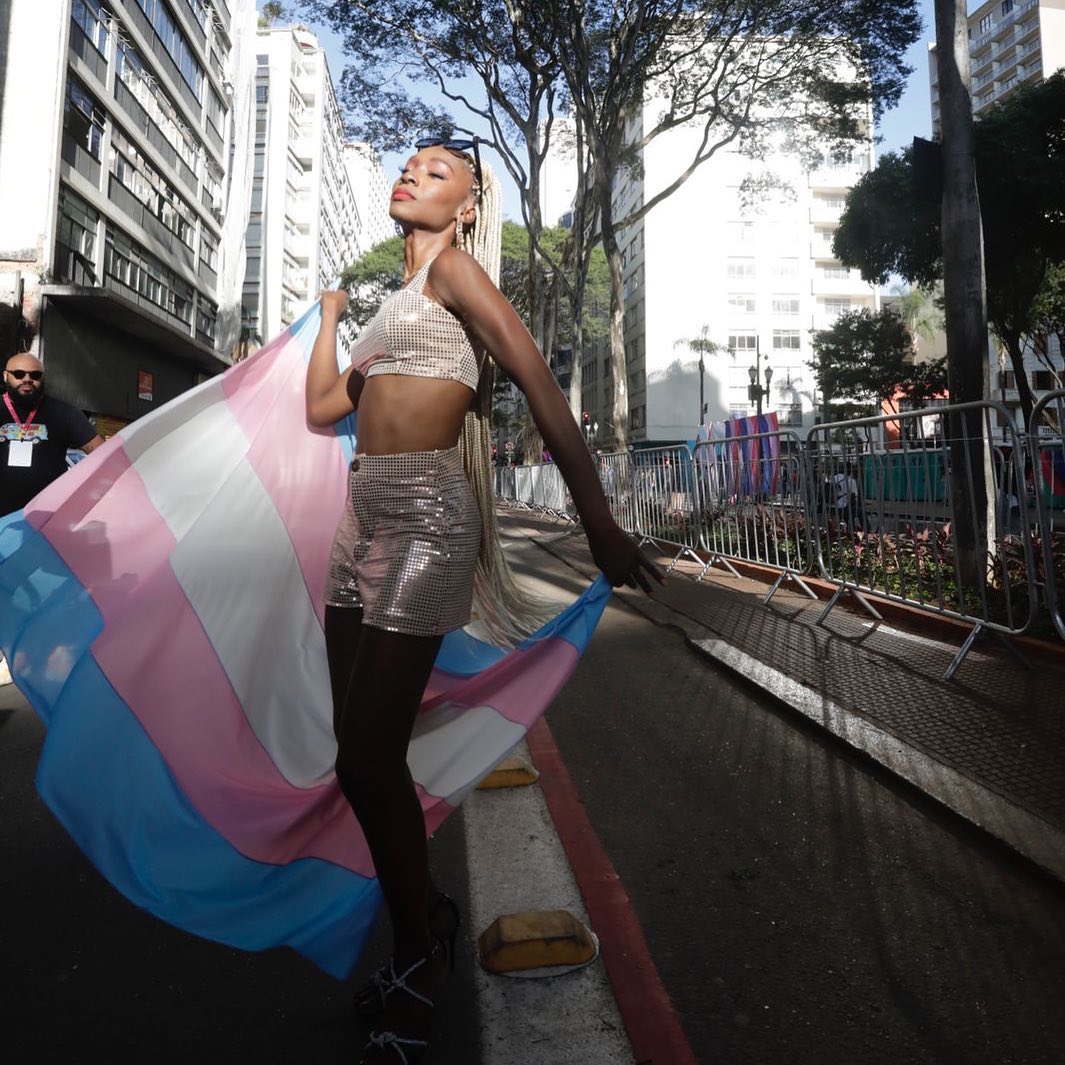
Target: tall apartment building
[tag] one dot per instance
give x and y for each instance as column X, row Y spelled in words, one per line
column 756, row 272
column 1011, row 43
column 303, row 223
column 371, row 188
column 113, row 166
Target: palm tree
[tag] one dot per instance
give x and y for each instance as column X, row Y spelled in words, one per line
column 919, row 308
column 704, row 346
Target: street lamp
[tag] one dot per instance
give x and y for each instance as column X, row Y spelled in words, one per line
column 755, row 392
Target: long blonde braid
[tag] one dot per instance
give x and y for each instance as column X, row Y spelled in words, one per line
column 507, row 611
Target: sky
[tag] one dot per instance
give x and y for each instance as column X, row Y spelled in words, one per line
column 911, row 118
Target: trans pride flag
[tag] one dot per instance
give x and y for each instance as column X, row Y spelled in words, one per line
column 161, row 607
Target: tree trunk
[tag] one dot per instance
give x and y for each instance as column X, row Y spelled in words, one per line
column 965, row 298
column 618, row 366
column 1024, row 388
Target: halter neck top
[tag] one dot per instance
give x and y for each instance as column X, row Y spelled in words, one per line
column 414, row 335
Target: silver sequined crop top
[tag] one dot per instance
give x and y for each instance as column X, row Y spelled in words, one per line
column 414, row 335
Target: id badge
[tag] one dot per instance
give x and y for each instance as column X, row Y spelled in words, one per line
column 20, row 453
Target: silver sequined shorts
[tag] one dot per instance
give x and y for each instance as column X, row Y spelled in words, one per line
column 407, row 543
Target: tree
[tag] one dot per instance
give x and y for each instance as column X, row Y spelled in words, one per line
column 891, row 223
column 702, row 345
column 272, row 12
column 866, row 358
column 750, row 72
column 920, row 308
column 506, row 46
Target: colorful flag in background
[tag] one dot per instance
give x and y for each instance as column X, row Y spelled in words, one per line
column 161, row 607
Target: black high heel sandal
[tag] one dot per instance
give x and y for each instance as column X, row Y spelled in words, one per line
column 444, row 920
column 408, row 1049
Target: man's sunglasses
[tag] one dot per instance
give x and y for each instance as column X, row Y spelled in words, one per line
column 33, row 375
column 457, row 145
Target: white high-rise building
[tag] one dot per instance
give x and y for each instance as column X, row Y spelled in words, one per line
column 113, row 165
column 372, row 189
column 756, row 272
column 303, row 226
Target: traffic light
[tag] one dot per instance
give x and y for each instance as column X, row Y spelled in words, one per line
column 586, row 417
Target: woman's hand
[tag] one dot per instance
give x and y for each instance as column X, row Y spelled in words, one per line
column 334, row 302
column 621, row 560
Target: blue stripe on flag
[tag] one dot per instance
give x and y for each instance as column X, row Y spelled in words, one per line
column 111, row 789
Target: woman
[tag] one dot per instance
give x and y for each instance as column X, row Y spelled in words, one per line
column 415, row 542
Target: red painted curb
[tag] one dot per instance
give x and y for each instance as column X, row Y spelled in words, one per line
column 646, row 1011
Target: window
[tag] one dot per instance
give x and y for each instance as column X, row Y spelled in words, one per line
column 836, row 306
column 835, row 273
column 75, row 238
column 741, row 303
column 741, row 232
column 740, row 268
column 86, row 13
column 787, row 305
column 786, row 268
column 987, row 22
column 262, row 94
column 1007, row 6
column 83, row 121
column 1042, row 380
column 743, row 342
column 786, row 340
column 174, row 42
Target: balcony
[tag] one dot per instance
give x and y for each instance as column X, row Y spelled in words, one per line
column 824, row 214
column 836, row 178
column 77, row 157
column 165, row 239
column 852, row 285
column 87, row 52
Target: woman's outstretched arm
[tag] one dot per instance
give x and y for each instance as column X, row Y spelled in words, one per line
column 330, row 394
column 458, row 280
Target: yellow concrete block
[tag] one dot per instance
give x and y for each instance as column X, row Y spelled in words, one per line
column 535, row 939
column 510, row 773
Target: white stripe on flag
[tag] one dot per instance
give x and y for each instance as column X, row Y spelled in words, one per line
column 453, row 747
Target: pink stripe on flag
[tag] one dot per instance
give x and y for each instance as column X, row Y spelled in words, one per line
column 79, row 489
column 155, row 653
column 519, row 686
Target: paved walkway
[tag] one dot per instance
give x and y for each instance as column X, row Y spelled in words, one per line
column 989, row 744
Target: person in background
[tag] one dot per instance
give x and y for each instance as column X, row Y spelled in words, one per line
column 35, row 433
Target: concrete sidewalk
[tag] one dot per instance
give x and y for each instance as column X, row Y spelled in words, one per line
column 989, row 744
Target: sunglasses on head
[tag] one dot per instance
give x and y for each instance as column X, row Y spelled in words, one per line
column 453, row 144
column 33, row 375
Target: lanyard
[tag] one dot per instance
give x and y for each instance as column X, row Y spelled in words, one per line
column 23, row 426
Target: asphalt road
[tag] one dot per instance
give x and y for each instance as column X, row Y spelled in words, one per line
column 800, row 906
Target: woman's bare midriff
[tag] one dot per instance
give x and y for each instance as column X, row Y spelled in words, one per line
column 399, row 413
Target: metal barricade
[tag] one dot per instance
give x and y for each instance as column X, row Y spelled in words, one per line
column 615, row 475
column 752, row 494
column 665, row 510
column 888, row 525
column 1046, row 475
column 539, row 488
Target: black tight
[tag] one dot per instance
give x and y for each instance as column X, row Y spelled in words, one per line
column 378, row 679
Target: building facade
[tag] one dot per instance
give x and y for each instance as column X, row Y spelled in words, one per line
column 113, row 166
column 1012, row 43
column 746, row 268
column 303, row 225
column 371, row 189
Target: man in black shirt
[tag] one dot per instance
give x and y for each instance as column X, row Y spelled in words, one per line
column 35, row 433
